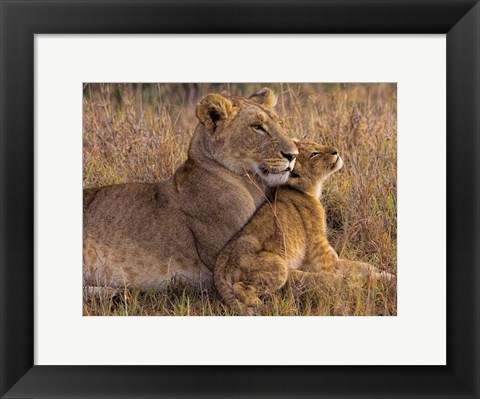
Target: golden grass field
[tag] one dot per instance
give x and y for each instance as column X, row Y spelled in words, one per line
column 140, row 133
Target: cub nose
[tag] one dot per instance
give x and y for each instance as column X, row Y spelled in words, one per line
column 289, row 155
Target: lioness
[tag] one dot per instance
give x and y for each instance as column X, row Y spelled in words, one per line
column 285, row 238
column 143, row 235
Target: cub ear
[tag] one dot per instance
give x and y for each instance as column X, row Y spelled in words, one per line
column 265, row 97
column 213, row 110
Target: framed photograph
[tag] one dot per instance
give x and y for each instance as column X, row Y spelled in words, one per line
column 198, row 133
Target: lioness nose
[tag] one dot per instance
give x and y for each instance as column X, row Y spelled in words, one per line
column 289, row 155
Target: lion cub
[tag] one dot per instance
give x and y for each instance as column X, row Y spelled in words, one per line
column 285, row 238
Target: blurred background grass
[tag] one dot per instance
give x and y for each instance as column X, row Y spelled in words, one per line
column 137, row 132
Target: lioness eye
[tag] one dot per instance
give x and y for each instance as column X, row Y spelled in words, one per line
column 258, row 127
column 314, row 154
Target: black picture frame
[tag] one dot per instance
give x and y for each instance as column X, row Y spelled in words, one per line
column 21, row 20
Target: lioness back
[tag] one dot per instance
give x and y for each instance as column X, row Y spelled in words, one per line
column 144, row 235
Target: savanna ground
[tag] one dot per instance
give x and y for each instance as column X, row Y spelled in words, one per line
column 140, row 133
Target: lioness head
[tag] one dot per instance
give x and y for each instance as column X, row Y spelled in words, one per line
column 246, row 136
column 315, row 162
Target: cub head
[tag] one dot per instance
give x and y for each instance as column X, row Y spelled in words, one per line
column 245, row 135
column 315, row 162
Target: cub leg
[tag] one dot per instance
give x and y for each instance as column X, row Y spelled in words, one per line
column 322, row 257
column 240, row 284
column 267, row 275
column 362, row 270
column 306, row 281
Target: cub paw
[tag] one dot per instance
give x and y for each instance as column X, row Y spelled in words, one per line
column 246, row 294
column 332, row 256
column 381, row 275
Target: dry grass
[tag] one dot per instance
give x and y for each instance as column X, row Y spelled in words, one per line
column 140, row 133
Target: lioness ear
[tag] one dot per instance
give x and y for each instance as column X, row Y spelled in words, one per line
column 265, row 97
column 212, row 110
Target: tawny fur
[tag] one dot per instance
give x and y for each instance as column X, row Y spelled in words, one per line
column 285, row 239
column 143, row 235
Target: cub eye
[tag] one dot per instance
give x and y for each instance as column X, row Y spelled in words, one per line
column 314, row 154
column 258, row 128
